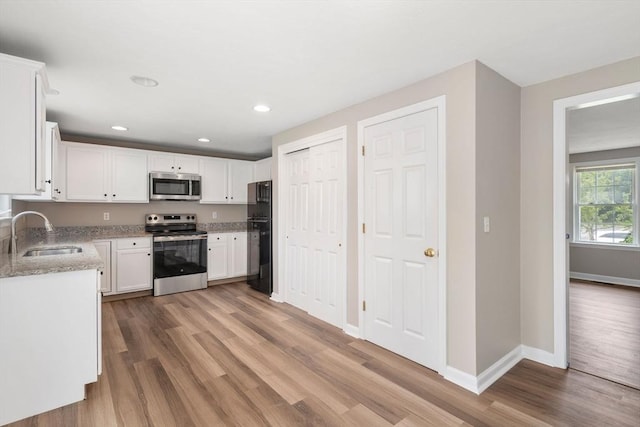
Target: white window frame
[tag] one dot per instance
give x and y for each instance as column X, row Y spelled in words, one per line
column 5, row 206
column 634, row 201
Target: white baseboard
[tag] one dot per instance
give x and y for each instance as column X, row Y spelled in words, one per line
column 464, row 380
column 276, row 297
column 605, row 279
column 494, row 372
column 537, row 355
column 498, row 369
column 352, row 330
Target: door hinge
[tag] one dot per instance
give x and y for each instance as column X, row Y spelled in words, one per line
column 364, row 306
column 363, row 150
column 364, row 228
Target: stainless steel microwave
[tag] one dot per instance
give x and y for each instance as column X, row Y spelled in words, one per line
column 174, row 186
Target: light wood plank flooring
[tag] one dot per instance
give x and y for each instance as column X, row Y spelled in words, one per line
column 605, row 331
column 229, row 356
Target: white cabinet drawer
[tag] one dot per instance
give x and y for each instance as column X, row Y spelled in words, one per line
column 218, row 237
column 133, row 243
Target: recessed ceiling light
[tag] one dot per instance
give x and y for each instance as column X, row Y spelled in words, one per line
column 144, row 81
column 261, row 108
column 204, row 140
column 120, row 128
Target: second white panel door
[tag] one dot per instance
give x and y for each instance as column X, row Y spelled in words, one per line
column 401, row 219
column 327, row 279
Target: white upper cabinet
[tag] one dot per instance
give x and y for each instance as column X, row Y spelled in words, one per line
column 103, row 174
column 23, row 84
column 52, row 173
column 262, row 170
column 225, row 180
column 176, row 163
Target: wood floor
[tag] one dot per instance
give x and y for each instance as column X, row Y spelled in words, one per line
column 604, row 331
column 229, row 356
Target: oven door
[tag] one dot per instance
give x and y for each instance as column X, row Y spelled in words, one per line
column 179, row 255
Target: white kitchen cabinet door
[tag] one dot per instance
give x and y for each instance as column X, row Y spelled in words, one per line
column 187, row 164
column 217, row 256
column 23, row 84
column 262, row 170
column 51, row 163
column 240, row 174
column 129, row 177
column 175, row 163
column 214, row 180
column 133, row 270
column 104, row 250
column 161, row 163
column 87, row 169
column 238, row 249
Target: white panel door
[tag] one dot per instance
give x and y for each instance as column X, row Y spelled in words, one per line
column 215, row 179
column 238, row 254
column 401, row 218
column 129, row 178
column 327, row 279
column 240, row 174
column 298, row 231
column 87, row 171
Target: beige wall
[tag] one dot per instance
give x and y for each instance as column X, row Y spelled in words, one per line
column 536, row 240
column 497, row 183
column 459, row 87
column 63, row 214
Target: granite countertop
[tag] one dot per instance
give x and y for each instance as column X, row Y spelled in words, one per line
column 88, row 259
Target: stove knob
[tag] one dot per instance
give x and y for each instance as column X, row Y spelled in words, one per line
column 155, row 218
column 150, row 218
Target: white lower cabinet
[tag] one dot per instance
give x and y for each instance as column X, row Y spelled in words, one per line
column 131, row 265
column 104, row 250
column 127, row 265
column 227, row 255
column 50, row 335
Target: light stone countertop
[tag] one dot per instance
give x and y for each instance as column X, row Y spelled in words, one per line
column 88, row 259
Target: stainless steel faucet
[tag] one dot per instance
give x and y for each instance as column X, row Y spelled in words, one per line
column 14, row 240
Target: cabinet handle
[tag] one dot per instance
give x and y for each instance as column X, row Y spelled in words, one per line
column 148, row 254
column 105, row 194
column 134, row 243
column 231, row 197
column 226, row 197
column 179, row 167
column 209, row 249
column 114, row 195
column 48, row 181
column 101, row 273
column 172, row 167
column 235, row 238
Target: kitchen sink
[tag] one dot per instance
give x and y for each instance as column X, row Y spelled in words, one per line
column 53, row 250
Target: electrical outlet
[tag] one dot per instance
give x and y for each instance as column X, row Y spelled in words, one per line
column 105, row 216
column 214, row 215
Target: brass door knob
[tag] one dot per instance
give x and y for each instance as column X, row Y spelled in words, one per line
column 430, row 252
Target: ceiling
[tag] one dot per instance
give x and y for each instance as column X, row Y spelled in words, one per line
column 604, row 127
column 214, row 60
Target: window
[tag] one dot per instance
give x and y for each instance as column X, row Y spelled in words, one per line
column 605, row 203
column 5, row 205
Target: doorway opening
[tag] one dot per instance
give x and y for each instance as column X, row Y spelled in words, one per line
column 569, row 217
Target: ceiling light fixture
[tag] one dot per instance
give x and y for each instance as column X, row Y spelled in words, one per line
column 144, row 81
column 118, row 127
column 204, row 140
column 261, row 108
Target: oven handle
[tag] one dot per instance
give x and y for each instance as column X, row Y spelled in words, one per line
column 179, row 238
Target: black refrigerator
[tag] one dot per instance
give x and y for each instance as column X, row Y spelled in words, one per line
column 259, row 266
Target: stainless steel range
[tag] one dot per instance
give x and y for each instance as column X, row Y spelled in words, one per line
column 179, row 253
